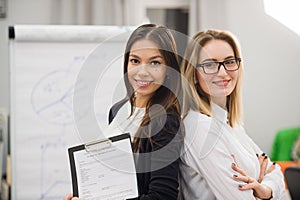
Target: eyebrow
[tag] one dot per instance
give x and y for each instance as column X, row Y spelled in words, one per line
column 151, row 58
column 154, row 57
column 215, row 60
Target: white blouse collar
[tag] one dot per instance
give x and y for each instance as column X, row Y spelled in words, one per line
column 219, row 113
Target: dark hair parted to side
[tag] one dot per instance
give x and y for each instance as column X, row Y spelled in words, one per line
column 168, row 95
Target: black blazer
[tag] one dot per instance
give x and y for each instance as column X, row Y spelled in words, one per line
column 157, row 172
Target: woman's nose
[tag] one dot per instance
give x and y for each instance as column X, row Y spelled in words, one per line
column 143, row 70
column 222, row 70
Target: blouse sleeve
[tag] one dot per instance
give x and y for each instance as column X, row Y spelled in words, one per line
column 209, row 147
column 212, row 160
column 274, row 179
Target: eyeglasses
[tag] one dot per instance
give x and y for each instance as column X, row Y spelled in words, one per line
column 214, row 67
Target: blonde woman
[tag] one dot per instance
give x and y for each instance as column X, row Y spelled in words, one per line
column 220, row 160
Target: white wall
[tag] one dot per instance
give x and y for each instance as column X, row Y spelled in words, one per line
column 271, row 94
column 271, row 52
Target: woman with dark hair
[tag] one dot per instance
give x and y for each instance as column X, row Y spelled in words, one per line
column 150, row 112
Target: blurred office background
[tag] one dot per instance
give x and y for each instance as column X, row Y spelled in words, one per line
column 270, row 46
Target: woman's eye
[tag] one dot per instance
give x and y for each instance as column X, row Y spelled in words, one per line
column 134, row 61
column 155, row 63
column 209, row 65
column 229, row 62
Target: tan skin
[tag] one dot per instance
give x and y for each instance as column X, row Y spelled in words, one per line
column 146, row 70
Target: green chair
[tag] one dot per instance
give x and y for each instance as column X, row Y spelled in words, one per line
column 283, row 144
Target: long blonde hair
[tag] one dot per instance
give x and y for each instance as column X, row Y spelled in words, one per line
column 194, row 97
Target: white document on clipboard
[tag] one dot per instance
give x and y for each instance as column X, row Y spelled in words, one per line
column 104, row 169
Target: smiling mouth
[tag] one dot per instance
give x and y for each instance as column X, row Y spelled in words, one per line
column 143, row 84
column 223, row 83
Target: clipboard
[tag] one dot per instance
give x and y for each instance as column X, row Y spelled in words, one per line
column 104, row 169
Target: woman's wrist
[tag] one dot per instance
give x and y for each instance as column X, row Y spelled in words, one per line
column 271, row 196
column 268, row 198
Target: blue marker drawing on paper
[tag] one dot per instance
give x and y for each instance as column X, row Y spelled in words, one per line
column 52, row 95
column 53, row 177
column 52, row 100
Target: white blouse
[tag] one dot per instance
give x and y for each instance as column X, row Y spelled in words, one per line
column 206, row 161
column 124, row 123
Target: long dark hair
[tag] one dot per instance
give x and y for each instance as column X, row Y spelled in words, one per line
column 168, row 95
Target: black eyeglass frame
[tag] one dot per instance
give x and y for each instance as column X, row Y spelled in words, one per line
column 238, row 61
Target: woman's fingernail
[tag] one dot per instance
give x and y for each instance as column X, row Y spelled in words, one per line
column 274, row 163
column 233, row 164
column 263, row 154
column 266, row 157
column 256, row 155
column 240, row 186
column 234, row 175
